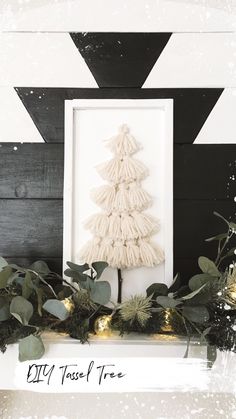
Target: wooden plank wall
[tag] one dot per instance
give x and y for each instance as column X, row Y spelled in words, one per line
column 31, row 201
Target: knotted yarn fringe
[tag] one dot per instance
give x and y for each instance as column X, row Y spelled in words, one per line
column 122, row 197
column 89, row 253
column 145, row 224
column 121, row 202
column 123, row 143
column 110, row 170
column 98, row 224
column 104, row 196
column 124, row 226
column 139, row 199
column 126, row 169
column 150, row 255
column 132, row 254
column 120, row 254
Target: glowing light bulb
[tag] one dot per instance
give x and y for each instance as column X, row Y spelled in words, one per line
column 102, row 325
column 69, row 305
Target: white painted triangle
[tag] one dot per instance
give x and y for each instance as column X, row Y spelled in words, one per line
column 196, row 60
column 220, row 126
column 42, row 60
column 16, row 124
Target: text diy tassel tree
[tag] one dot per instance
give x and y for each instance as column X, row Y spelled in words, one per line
column 122, row 231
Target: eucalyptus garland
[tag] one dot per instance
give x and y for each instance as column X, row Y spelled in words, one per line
column 34, row 300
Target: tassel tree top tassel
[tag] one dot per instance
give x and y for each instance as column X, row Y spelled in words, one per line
column 122, row 232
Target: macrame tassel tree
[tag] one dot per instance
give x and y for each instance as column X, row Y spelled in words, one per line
column 123, row 230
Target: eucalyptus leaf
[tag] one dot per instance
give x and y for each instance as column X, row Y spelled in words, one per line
column 192, row 294
column 3, row 263
column 40, row 267
column 219, row 237
column 196, row 314
column 208, row 266
column 101, row 293
column 57, row 309
column 167, row 302
column 21, row 309
column 99, row 267
column 220, row 216
column 4, row 276
column 39, row 293
column 197, row 281
column 157, row 289
column 27, row 286
column 78, row 268
column 4, row 309
column 77, row 276
column 176, row 284
column 232, row 226
column 17, row 268
column 231, row 252
column 31, row 347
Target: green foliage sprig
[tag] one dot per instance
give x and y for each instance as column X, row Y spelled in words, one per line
column 34, row 300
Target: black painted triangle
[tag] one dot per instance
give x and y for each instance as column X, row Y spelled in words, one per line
column 191, row 107
column 120, row 59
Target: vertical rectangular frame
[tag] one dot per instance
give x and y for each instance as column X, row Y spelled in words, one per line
column 70, row 107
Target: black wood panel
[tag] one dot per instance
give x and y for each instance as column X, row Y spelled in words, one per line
column 205, row 171
column 120, row 59
column 31, row 228
column 194, row 222
column 191, row 107
column 31, row 170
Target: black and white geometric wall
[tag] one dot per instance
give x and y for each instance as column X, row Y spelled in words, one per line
column 40, row 70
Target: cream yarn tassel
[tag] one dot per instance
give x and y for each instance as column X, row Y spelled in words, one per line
column 118, row 256
column 114, row 229
column 110, row 170
column 104, row 196
column 98, row 224
column 132, row 253
column 149, row 255
column 105, row 250
column 132, row 169
column 124, row 169
column 124, row 143
column 90, row 252
column 128, row 229
column 145, row 224
column 138, row 197
column 121, row 202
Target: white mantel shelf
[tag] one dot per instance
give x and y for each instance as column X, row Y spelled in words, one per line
column 221, row 378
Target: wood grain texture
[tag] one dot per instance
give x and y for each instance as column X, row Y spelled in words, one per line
column 31, row 228
column 31, row 171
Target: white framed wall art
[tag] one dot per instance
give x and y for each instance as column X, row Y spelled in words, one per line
column 88, row 124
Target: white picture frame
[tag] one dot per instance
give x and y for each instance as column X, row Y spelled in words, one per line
column 87, row 118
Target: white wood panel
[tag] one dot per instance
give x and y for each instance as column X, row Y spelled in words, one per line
column 122, row 15
column 16, row 124
column 42, row 59
column 196, row 60
column 220, row 126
